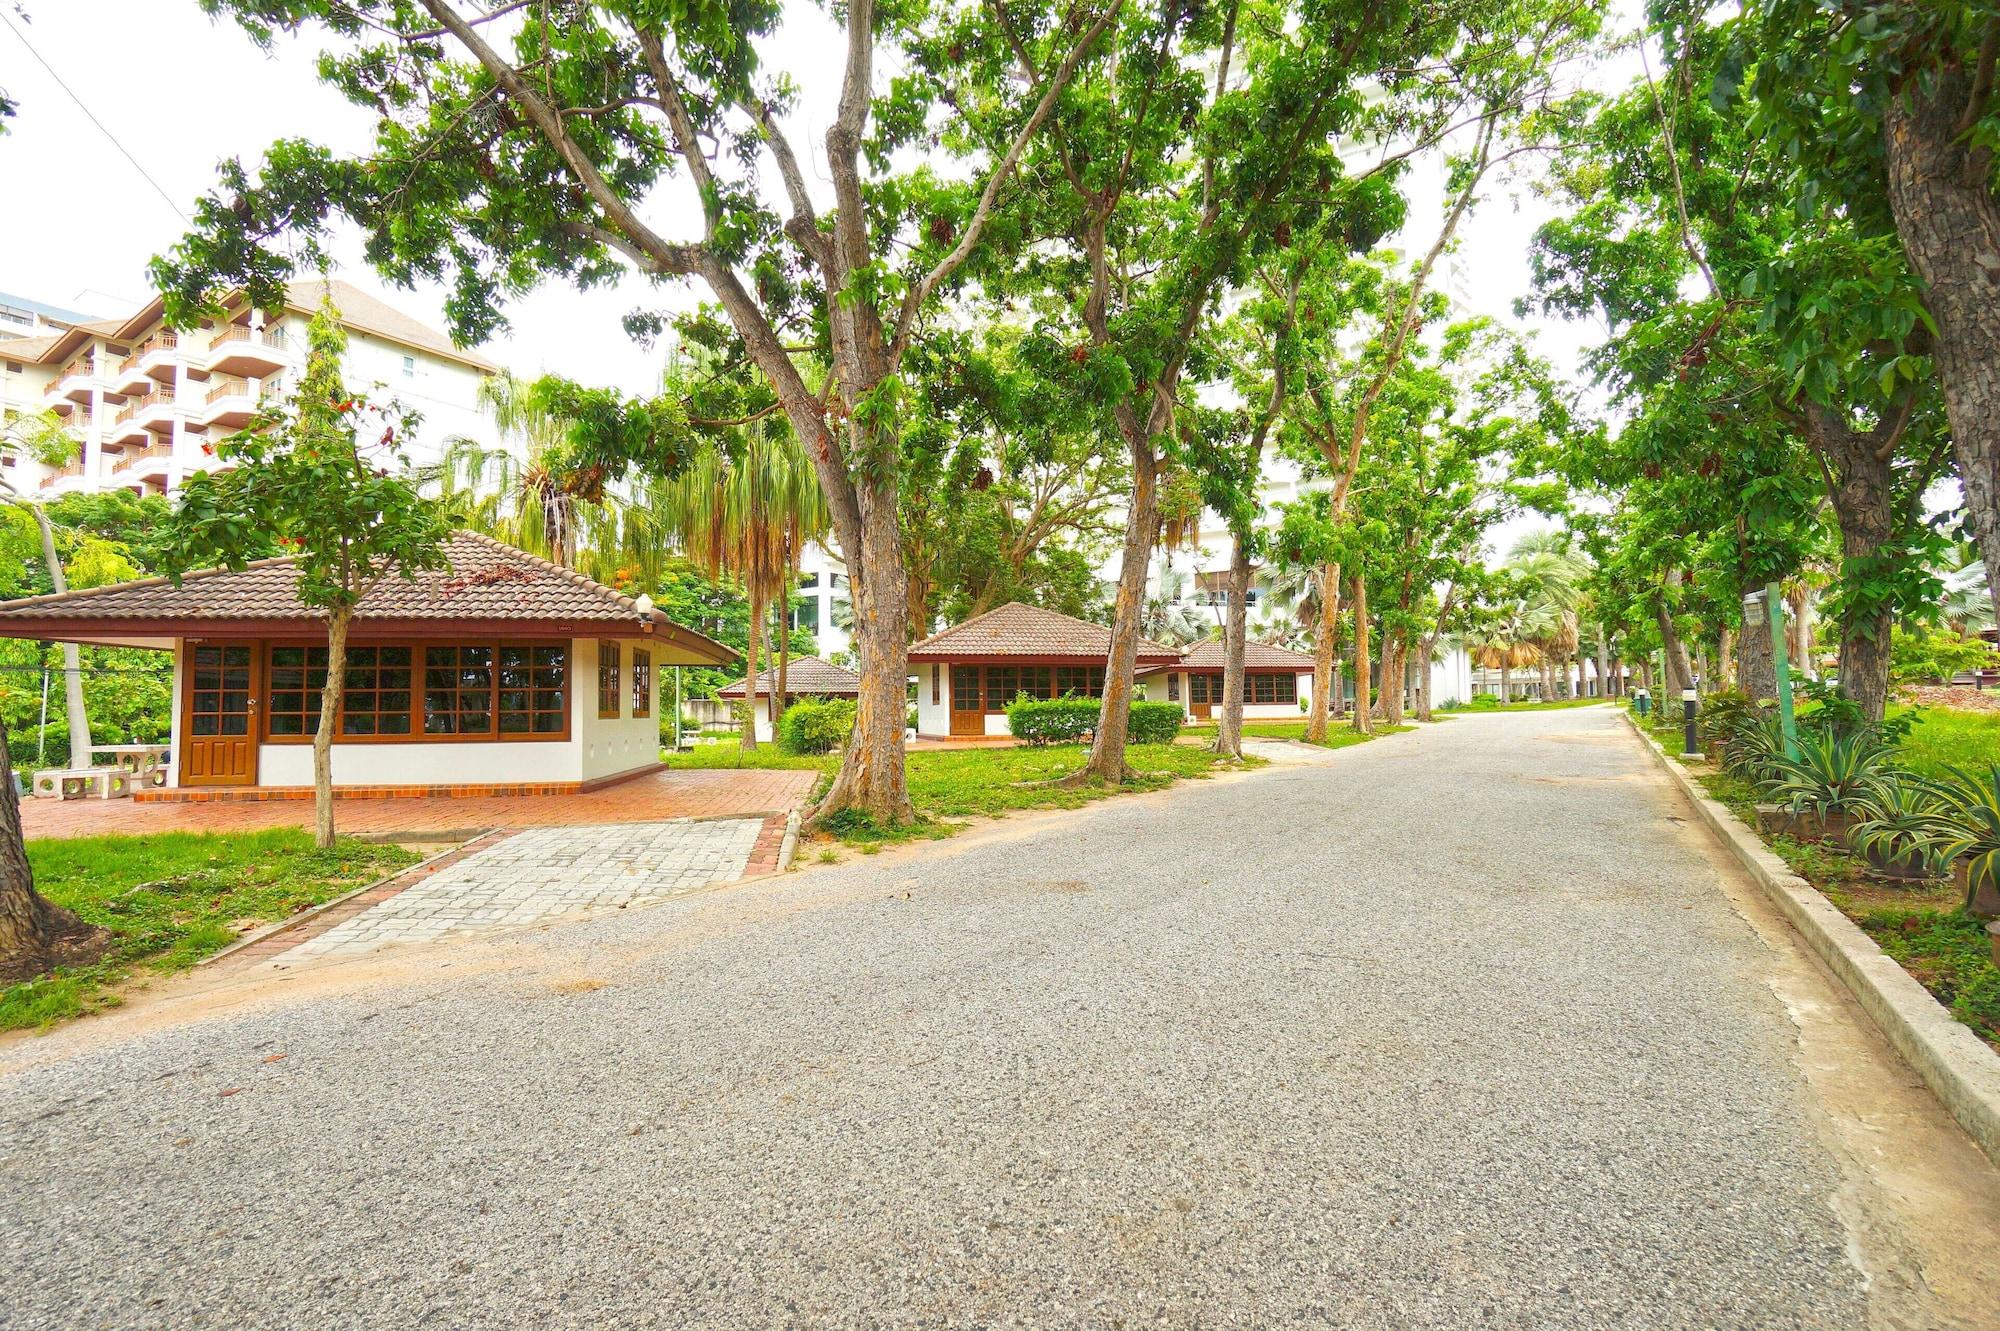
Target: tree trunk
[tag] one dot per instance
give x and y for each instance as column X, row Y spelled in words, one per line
column 1756, row 669
column 1107, row 749
column 1326, row 659
column 1506, row 681
column 781, row 697
column 747, row 740
column 1361, row 664
column 79, row 720
column 1941, row 191
column 1799, row 631
column 1675, row 662
column 1604, row 689
column 1864, row 504
column 872, row 777
column 1426, row 657
column 35, row 933
column 1394, row 678
column 1229, row 733
column 337, row 621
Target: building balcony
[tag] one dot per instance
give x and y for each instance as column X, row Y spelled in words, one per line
column 239, row 349
column 151, row 463
column 65, row 478
column 231, row 402
column 152, row 361
column 75, row 380
column 142, row 417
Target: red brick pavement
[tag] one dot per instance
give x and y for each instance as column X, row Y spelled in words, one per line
column 702, row 793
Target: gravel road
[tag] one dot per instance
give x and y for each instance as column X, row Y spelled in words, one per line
column 1460, row 1029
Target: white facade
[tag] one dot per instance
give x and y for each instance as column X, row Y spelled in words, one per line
column 597, row 749
column 827, row 610
column 146, row 404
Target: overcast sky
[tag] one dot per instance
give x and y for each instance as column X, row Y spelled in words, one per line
column 181, row 93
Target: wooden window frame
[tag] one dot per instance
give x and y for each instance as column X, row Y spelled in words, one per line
column 610, row 653
column 642, row 684
column 419, row 663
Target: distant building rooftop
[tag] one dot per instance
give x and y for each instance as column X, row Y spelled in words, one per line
column 20, row 309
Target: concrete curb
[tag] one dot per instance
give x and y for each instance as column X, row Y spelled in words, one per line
column 1957, row 1065
column 790, row 845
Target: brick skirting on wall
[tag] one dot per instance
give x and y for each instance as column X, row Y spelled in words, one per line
column 466, row 790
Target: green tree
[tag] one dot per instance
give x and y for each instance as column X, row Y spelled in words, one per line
column 749, row 514
column 558, row 143
column 303, row 475
column 1884, row 115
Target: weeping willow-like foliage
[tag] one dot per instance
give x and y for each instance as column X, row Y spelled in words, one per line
column 537, row 495
column 744, row 514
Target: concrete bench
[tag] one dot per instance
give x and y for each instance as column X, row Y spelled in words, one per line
column 75, row 783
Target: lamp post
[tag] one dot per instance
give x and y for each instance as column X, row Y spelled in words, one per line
column 1769, row 602
column 1690, row 704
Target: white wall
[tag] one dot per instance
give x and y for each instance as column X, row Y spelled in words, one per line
column 1451, row 677
column 933, row 718
column 595, row 749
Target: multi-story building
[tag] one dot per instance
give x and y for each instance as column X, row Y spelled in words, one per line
column 145, row 403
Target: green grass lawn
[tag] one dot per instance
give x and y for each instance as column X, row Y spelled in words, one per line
column 949, row 784
column 174, row 898
column 1339, row 734
column 1945, row 737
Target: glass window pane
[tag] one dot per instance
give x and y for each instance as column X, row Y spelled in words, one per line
column 395, row 723
column 235, row 723
column 282, row 724
column 202, row 725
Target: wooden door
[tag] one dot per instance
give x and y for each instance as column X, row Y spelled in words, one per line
column 1202, row 696
column 968, row 714
column 218, row 715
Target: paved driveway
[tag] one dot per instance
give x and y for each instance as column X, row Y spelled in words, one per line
column 549, row 873
column 1460, row 1030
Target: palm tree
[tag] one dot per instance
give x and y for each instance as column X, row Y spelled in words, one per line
column 1495, row 640
column 43, row 438
column 748, row 514
column 1165, row 618
column 532, row 495
column 1551, row 577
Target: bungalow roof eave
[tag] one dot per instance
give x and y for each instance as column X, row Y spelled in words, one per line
column 161, row 633
column 935, row 657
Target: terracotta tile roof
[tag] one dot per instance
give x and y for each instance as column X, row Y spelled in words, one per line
column 1208, row 655
column 487, row 582
column 365, row 313
column 1029, row 631
column 804, row 675
column 29, row 348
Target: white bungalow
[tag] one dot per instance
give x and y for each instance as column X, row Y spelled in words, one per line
column 967, row 674
column 805, row 677
column 501, row 674
column 1277, row 682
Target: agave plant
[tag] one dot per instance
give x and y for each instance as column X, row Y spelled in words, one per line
column 1902, row 823
column 1832, row 773
column 1971, row 808
column 1755, row 744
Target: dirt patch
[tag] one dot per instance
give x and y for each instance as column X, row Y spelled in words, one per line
column 1954, row 696
column 584, row 985
column 71, row 943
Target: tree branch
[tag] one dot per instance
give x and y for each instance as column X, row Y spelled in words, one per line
column 914, row 299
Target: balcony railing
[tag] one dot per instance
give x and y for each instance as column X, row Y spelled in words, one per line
column 273, row 338
column 229, row 385
column 63, row 472
column 81, row 365
column 140, row 402
column 138, row 455
column 164, row 340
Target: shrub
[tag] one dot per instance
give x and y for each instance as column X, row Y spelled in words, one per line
column 1053, row 720
column 1156, row 722
column 1928, row 656
column 816, row 727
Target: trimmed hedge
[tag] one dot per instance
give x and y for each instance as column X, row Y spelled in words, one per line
column 1051, row 720
column 1068, row 720
column 1155, row 722
column 816, row 727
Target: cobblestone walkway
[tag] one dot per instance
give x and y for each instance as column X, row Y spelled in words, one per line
column 546, row 874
